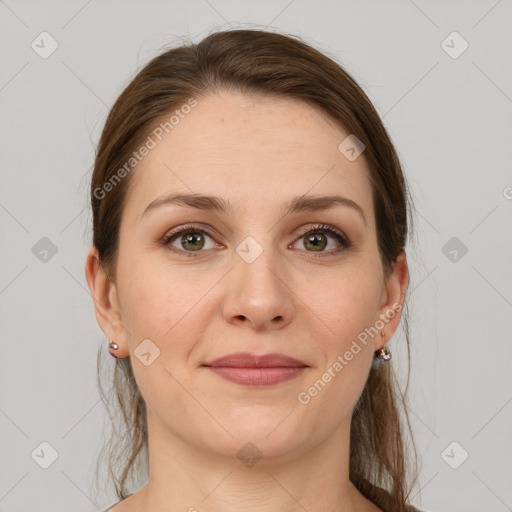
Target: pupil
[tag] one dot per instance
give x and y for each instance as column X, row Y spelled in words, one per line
column 316, row 241
column 190, row 240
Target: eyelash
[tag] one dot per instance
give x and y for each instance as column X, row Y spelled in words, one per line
column 319, row 228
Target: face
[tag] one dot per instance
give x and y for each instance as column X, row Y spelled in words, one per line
column 254, row 277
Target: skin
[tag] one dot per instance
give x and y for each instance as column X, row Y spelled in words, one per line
column 258, row 153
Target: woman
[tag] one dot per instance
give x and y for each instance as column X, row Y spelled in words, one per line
column 248, row 268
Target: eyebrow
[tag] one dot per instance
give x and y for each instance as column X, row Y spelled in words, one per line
column 219, row 205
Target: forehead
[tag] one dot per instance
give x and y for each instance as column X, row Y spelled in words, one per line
column 249, row 150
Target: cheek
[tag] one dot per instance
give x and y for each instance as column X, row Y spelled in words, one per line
column 348, row 306
column 348, row 309
column 170, row 308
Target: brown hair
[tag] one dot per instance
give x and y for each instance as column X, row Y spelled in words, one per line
column 261, row 62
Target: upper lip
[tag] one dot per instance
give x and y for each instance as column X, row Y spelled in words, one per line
column 247, row 360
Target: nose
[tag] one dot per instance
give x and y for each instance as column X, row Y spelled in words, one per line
column 258, row 295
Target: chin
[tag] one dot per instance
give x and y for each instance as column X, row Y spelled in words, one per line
column 276, row 435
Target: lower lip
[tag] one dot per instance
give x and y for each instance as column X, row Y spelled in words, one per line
column 257, row 376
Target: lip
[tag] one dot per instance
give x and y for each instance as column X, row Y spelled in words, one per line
column 256, row 370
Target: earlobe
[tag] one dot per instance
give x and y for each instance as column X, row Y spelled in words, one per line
column 106, row 304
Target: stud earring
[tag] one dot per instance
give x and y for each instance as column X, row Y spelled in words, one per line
column 382, row 356
column 113, row 346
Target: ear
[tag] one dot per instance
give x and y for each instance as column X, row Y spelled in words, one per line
column 106, row 302
column 393, row 295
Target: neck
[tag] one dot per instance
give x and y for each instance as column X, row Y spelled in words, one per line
column 187, row 477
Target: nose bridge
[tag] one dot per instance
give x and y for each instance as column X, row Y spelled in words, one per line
column 258, row 291
column 257, row 262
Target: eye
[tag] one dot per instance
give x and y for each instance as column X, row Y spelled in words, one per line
column 315, row 239
column 189, row 239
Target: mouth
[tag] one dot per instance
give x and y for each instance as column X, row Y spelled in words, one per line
column 256, row 370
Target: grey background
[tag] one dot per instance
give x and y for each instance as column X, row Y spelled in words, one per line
column 450, row 119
